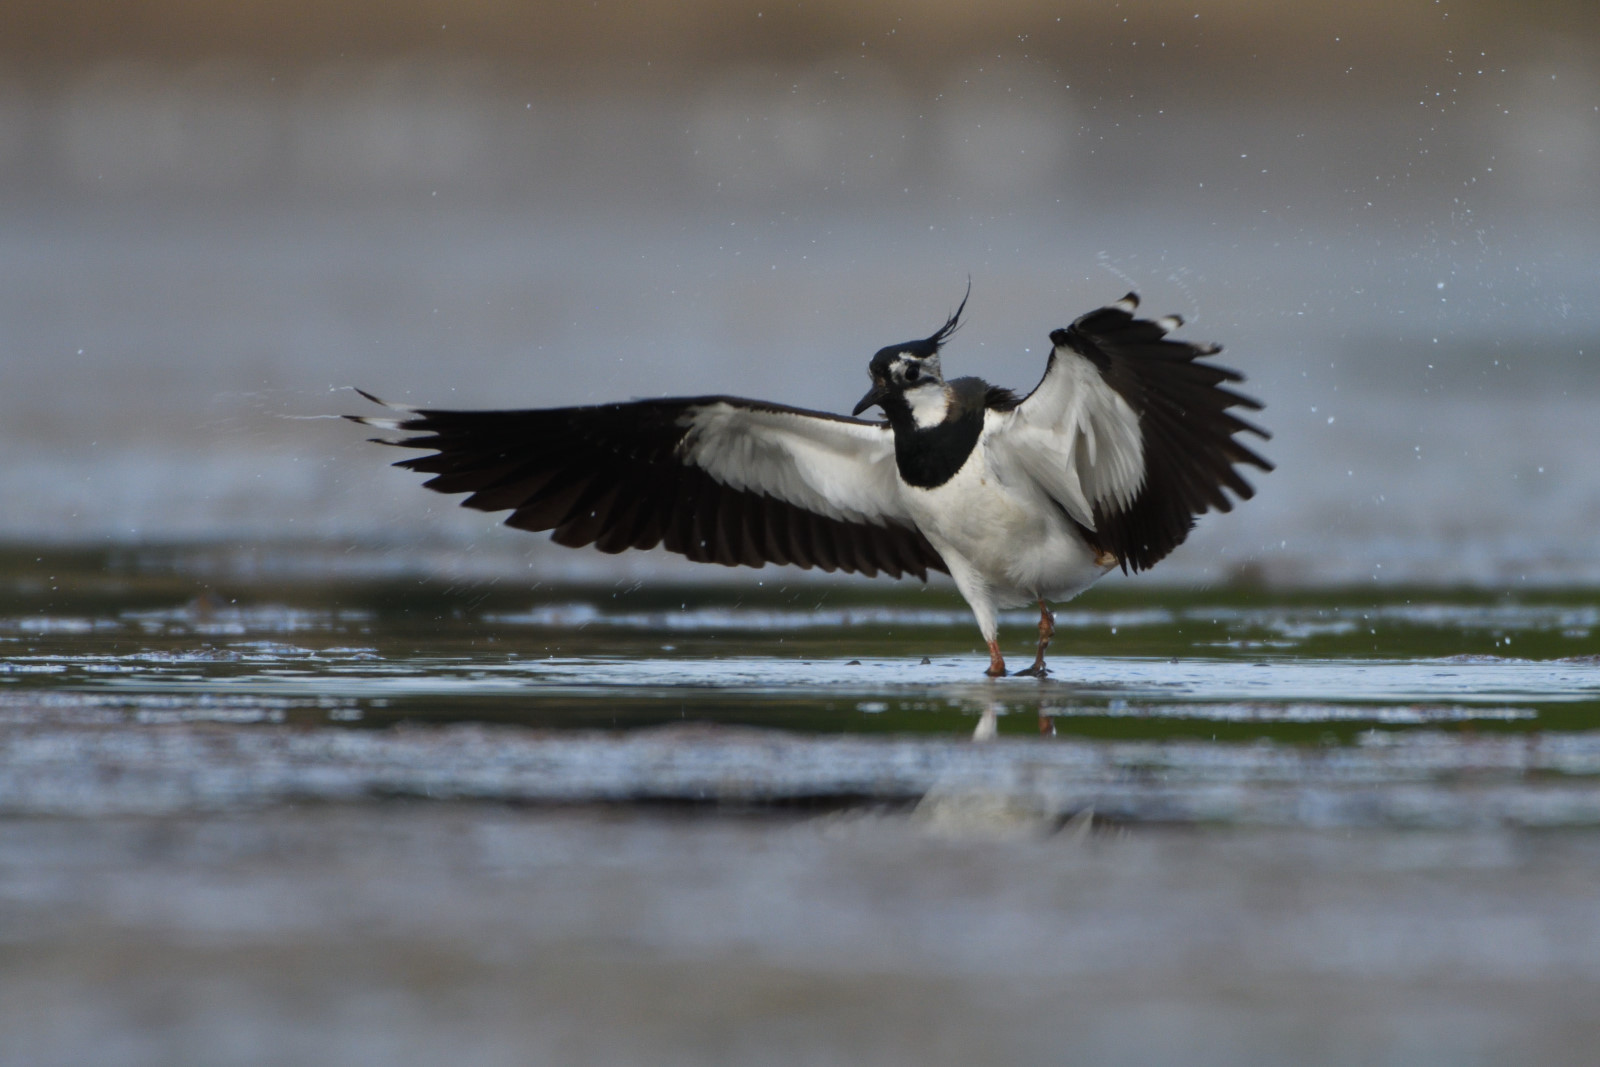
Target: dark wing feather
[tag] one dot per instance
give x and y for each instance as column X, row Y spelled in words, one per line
column 1186, row 425
column 636, row 475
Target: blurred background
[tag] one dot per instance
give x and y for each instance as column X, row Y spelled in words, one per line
column 214, row 219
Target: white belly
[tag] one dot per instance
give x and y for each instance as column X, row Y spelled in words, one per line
column 1010, row 535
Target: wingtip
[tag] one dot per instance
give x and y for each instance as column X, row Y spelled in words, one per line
column 391, row 425
column 382, row 402
column 381, row 422
column 1129, row 303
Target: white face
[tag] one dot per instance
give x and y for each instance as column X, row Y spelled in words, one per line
column 923, row 387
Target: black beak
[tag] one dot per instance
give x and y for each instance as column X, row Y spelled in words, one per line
column 874, row 396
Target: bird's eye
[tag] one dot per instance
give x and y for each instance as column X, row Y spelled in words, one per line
column 912, row 373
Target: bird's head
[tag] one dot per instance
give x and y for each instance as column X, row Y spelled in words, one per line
column 901, row 372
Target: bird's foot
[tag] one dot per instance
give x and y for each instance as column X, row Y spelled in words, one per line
column 997, row 662
column 1047, row 630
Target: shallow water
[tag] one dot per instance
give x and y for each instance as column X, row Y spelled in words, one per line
column 1251, row 705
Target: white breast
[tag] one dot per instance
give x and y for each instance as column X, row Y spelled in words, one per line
column 1003, row 525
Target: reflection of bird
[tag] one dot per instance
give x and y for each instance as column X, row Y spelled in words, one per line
column 1106, row 463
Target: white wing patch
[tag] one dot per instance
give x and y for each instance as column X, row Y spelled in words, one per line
column 1078, row 438
column 844, row 470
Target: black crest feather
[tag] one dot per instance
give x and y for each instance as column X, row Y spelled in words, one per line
column 953, row 323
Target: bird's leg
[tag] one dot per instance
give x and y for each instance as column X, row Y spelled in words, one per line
column 997, row 662
column 1047, row 630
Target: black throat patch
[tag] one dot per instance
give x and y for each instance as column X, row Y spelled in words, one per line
column 929, row 457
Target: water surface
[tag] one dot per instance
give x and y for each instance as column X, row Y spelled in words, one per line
column 1235, row 703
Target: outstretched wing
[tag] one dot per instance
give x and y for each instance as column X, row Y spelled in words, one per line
column 1132, row 433
column 717, row 479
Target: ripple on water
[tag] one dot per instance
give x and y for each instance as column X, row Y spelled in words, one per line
column 1295, row 624
column 1415, row 778
column 266, row 665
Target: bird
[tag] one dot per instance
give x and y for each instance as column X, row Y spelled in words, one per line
column 1128, row 437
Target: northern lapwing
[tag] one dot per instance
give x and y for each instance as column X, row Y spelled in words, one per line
column 1129, row 436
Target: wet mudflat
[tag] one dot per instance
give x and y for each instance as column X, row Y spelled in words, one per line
column 251, row 818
